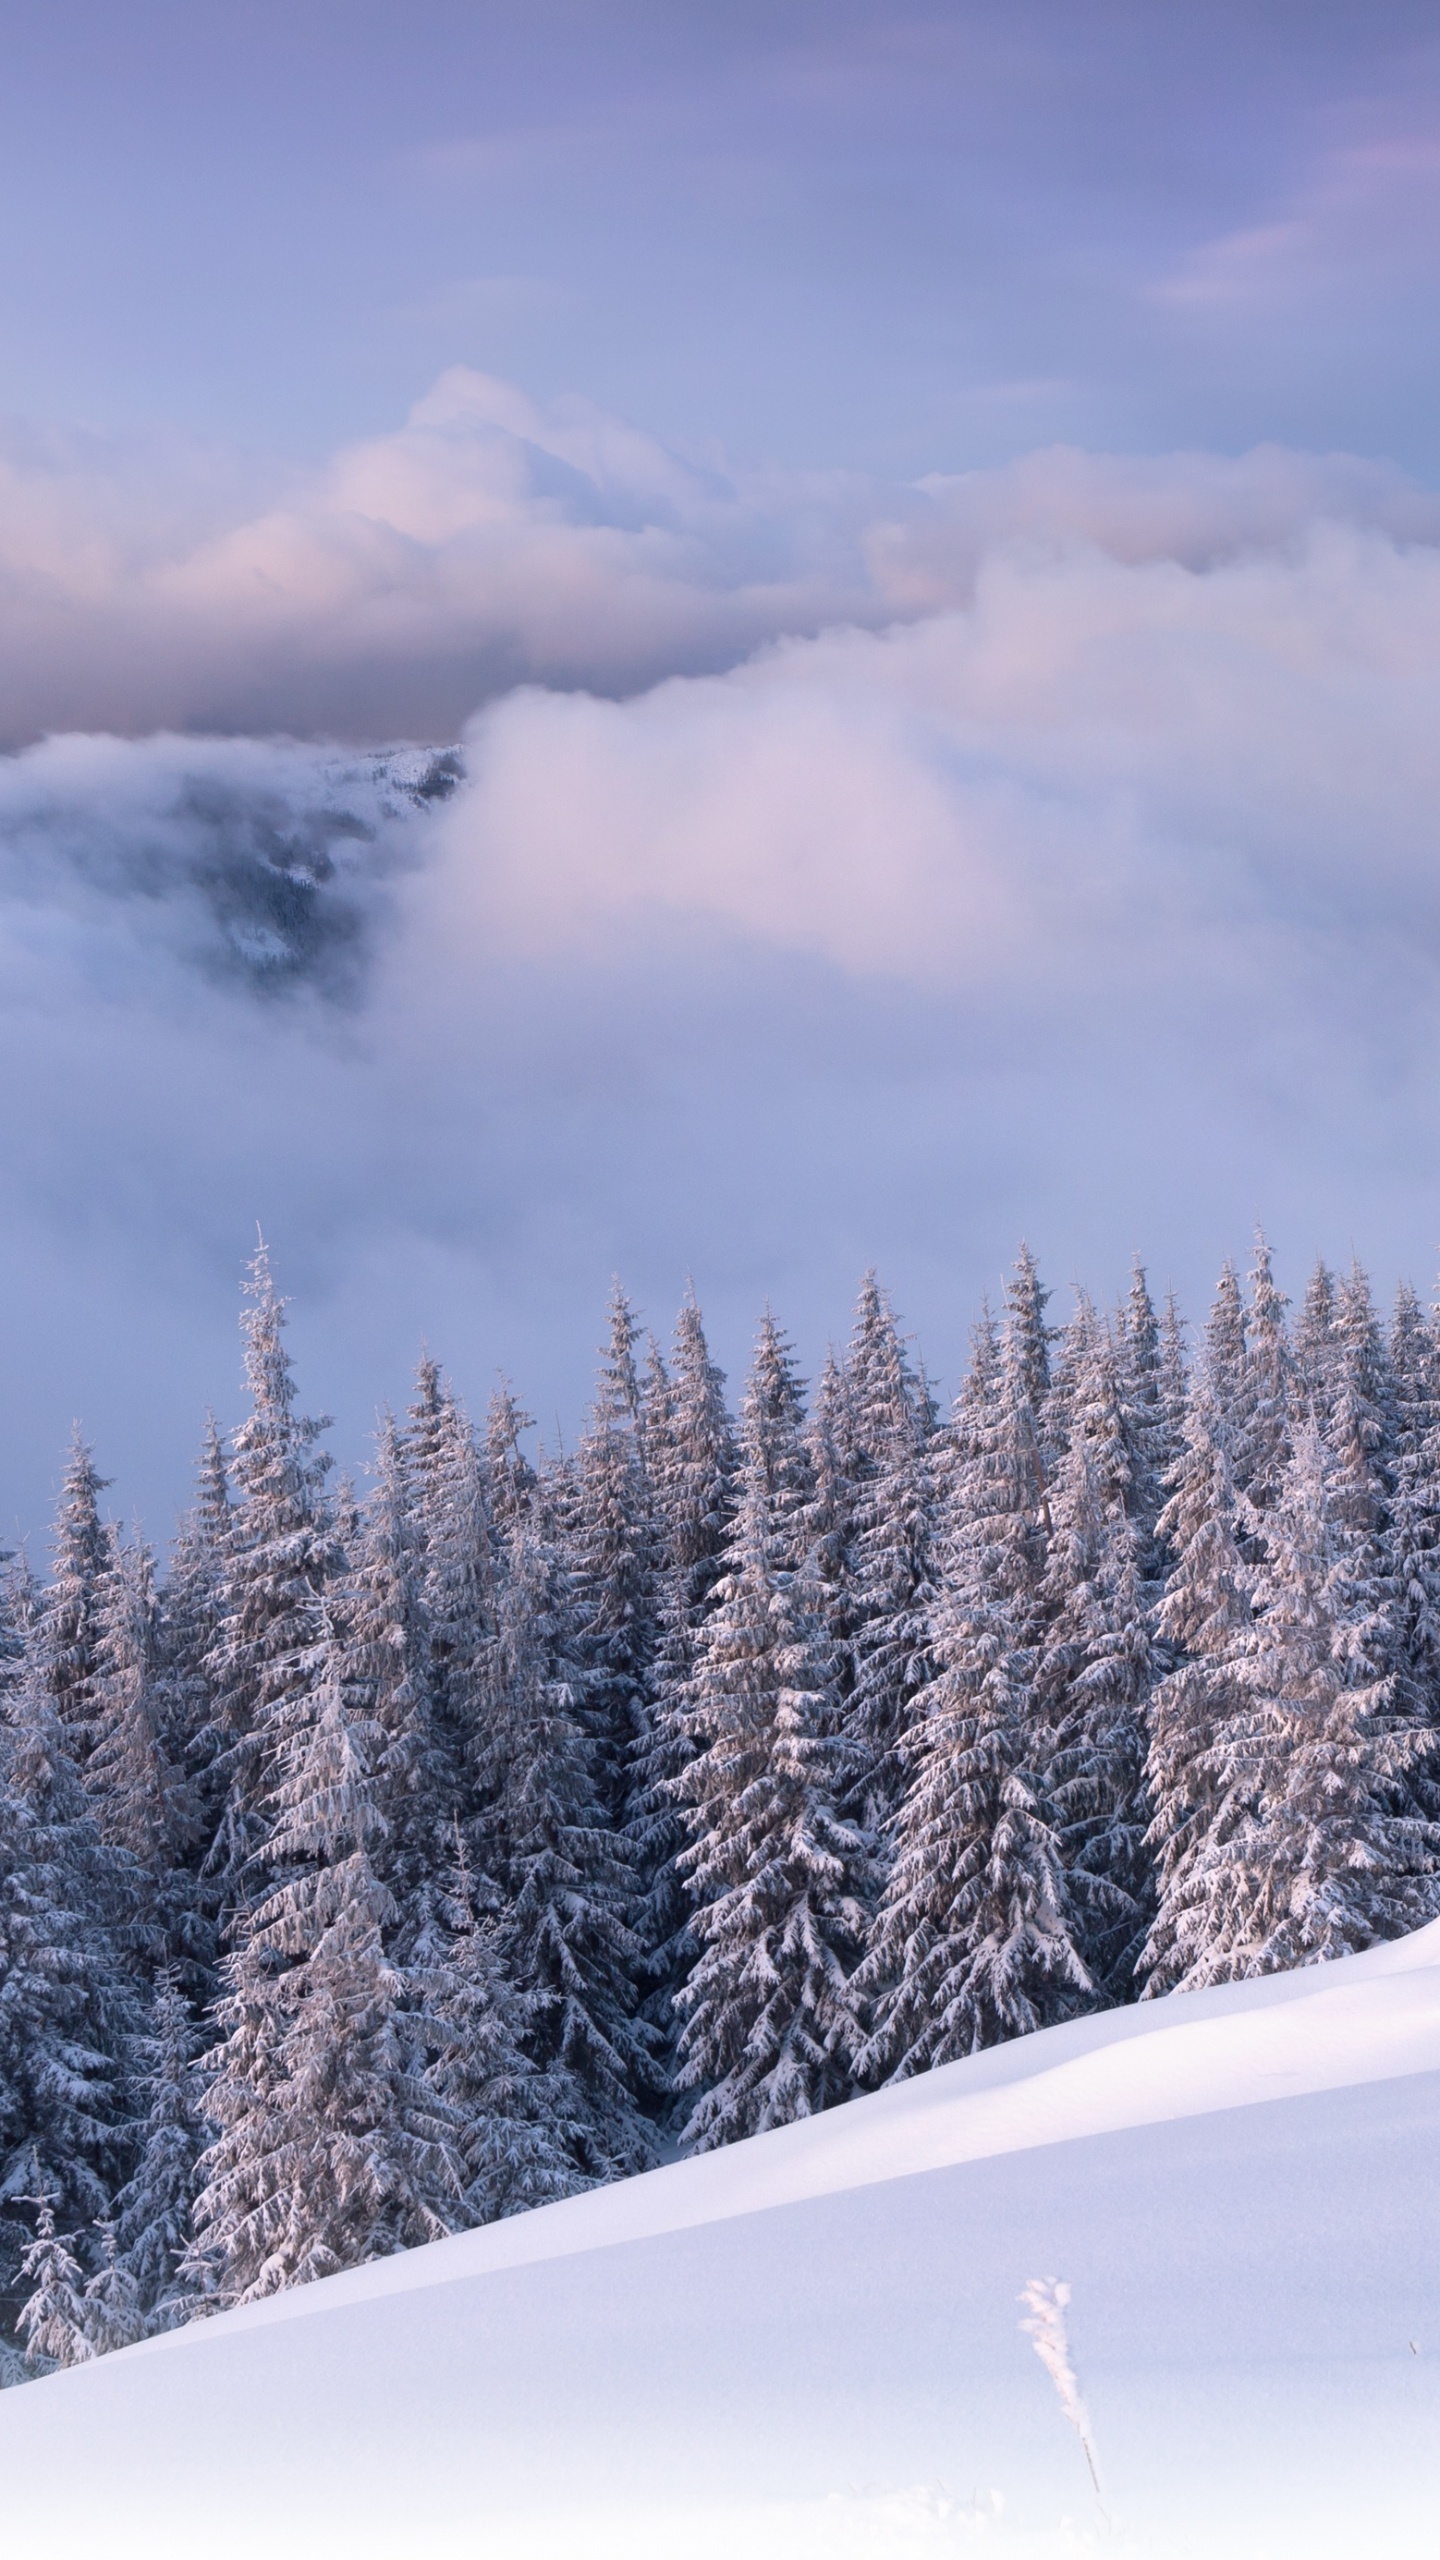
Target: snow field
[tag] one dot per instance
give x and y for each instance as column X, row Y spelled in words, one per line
column 810, row 2343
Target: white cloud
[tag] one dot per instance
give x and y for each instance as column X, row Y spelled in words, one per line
column 1095, row 898
column 490, row 541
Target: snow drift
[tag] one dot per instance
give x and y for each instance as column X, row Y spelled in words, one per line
column 812, row 2343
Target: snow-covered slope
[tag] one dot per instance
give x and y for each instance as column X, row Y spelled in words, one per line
column 810, row 2345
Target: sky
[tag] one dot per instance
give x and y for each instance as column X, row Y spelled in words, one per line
column 715, row 644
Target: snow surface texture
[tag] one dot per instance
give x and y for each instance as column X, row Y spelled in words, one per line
column 812, row 2344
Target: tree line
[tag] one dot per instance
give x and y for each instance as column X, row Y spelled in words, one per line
column 399, row 1862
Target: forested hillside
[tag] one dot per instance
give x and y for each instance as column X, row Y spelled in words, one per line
column 394, row 1862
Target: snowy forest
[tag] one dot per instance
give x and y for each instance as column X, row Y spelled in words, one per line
column 397, row 1860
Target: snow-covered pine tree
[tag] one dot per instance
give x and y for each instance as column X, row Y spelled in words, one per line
column 780, row 1879
column 892, row 1578
column 282, row 1553
column 52, row 2319
column 111, row 2310
column 515, row 2138
column 189, row 1627
column 1225, row 1347
column 1139, row 1379
column 1315, row 1344
column 456, row 1533
column 330, row 2148
column 568, row 1877
column 1096, row 1663
column 1332, row 1859
column 1200, row 1618
column 68, row 2009
column 1262, row 1427
column 1174, row 1376
column 1414, row 1541
column 690, row 1462
column 609, row 1538
column 81, row 1562
column 143, row 1803
column 510, row 1478
column 975, row 1939
column 388, row 1665
column 153, row 2209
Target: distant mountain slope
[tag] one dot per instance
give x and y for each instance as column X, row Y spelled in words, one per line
column 810, row 2344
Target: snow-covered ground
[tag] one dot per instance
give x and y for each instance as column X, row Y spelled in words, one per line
column 810, row 2345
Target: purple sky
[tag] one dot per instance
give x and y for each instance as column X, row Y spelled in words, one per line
column 926, row 523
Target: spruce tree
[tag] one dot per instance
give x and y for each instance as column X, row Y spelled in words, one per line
column 153, row 2211
column 1097, row 1662
column 80, row 1567
column 389, row 1665
column 1198, row 1807
column 282, row 1552
column 1263, row 1426
column 1315, row 1345
column 779, row 1878
column 892, row 1560
column 515, row 2136
column 68, row 2003
column 1414, row 1542
column 568, row 1878
column 976, row 1937
column 690, row 1460
column 143, row 1804
column 1326, row 1863
column 329, row 2147
column 52, row 2319
column 609, row 1537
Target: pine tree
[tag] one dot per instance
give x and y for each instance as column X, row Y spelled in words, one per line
column 282, row 1553
column 52, row 2319
column 511, row 1478
column 110, row 2311
column 1414, row 1543
column 330, row 2148
column 1096, row 1663
column 892, row 1560
column 515, row 2138
column 72, row 1599
column 389, row 1662
column 1174, row 1378
column 67, row 2002
column 1201, row 1617
column 609, row 1540
column 690, row 1461
column 153, row 2210
column 1325, row 1865
column 1225, row 1352
column 188, row 1635
column 1269, row 1394
column 1315, row 1345
column 568, row 1877
column 975, row 1939
column 1139, row 1380
column 780, row 1880
column 142, row 1803
column 456, row 1531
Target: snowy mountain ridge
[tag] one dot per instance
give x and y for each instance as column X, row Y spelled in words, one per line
column 810, row 2342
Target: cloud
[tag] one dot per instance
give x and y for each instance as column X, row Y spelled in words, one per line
column 490, row 541
column 1361, row 221
column 1089, row 892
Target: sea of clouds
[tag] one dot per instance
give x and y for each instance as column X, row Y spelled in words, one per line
column 774, row 874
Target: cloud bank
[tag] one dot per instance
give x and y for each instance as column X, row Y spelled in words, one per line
column 491, row 541
column 1078, row 880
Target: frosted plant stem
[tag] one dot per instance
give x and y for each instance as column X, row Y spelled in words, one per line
column 1045, row 2298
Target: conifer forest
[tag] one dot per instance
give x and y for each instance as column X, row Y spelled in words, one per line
column 397, row 1859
